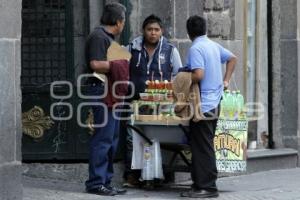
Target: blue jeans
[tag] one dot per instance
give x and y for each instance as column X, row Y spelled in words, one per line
column 103, row 144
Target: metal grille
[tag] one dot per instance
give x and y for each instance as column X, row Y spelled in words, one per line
column 43, row 41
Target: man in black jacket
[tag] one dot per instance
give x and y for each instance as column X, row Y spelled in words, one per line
column 104, row 141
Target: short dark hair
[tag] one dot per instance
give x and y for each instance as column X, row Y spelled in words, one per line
column 152, row 19
column 112, row 13
column 196, row 26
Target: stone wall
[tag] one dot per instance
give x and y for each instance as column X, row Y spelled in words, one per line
column 222, row 17
column 285, row 72
column 80, row 31
column 298, row 33
column 10, row 100
column 174, row 14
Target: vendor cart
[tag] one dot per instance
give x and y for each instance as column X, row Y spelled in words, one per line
column 172, row 134
column 154, row 118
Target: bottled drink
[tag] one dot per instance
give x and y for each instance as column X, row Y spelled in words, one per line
column 234, row 105
column 240, row 103
column 224, row 105
column 230, row 104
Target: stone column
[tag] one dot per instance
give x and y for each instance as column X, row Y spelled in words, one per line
column 80, row 32
column 298, row 40
column 276, row 71
column 289, row 69
column 10, row 100
column 285, row 73
column 262, row 70
column 95, row 12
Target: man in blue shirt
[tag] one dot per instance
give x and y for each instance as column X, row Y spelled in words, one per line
column 205, row 59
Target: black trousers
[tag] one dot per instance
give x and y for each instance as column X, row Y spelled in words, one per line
column 204, row 170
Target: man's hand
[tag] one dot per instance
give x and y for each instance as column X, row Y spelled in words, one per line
column 226, row 85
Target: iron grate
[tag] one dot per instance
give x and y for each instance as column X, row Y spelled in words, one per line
column 43, row 41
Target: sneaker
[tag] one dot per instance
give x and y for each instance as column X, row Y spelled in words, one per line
column 117, row 190
column 102, row 190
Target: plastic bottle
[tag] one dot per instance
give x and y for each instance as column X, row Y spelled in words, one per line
column 240, row 104
column 230, row 105
column 224, row 105
column 234, row 105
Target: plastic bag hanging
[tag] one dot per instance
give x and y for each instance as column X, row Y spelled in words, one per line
column 152, row 161
column 157, row 160
column 147, row 171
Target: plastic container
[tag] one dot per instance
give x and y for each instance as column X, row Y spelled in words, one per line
column 144, row 96
column 234, row 105
column 147, row 171
column 225, row 105
column 230, row 105
column 240, row 103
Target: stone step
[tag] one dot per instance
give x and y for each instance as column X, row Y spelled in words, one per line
column 258, row 160
column 271, row 159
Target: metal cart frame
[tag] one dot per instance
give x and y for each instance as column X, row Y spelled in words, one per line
column 149, row 129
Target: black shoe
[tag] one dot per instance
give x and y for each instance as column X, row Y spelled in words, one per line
column 102, row 190
column 200, row 194
column 132, row 182
column 117, row 190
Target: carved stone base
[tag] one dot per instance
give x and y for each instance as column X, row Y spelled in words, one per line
column 11, row 181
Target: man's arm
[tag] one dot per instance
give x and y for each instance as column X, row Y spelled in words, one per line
column 197, row 75
column 230, row 59
column 97, row 54
column 196, row 62
column 230, row 66
column 176, row 61
column 100, row 66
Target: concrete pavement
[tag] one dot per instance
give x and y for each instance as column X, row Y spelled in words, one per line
column 269, row 185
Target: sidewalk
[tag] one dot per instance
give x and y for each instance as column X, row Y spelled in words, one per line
column 270, row 185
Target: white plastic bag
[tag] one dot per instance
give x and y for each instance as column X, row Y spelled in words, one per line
column 138, row 149
column 157, row 161
column 147, row 171
column 152, row 163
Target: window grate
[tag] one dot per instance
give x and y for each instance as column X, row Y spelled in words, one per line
column 44, row 43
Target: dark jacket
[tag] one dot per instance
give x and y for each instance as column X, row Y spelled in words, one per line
column 140, row 72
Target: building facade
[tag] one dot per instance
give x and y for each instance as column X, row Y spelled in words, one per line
column 264, row 34
column 265, row 37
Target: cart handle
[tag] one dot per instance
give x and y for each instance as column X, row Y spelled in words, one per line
column 140, row 132
column 183, row 129
column 186, row 132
